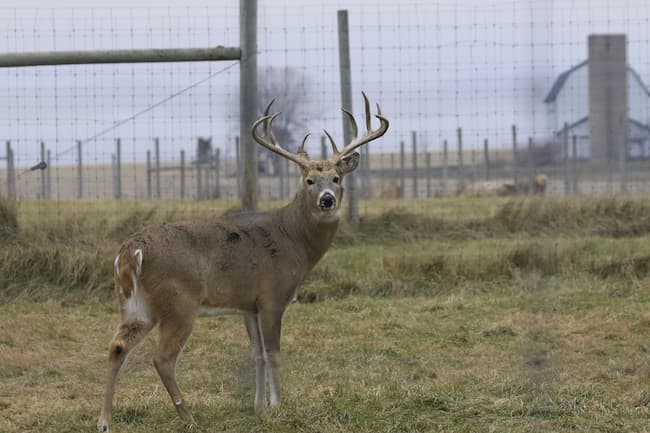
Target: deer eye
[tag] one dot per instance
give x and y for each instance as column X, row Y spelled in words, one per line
column 310, row 182
column 336, row 179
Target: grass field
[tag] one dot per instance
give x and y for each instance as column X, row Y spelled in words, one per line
column 472, row 315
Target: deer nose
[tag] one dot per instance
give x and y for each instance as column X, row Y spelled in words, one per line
column 327, row 201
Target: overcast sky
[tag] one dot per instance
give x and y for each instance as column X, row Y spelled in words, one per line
column 434, row 66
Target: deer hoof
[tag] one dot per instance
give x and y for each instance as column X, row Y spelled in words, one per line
column 102, row 426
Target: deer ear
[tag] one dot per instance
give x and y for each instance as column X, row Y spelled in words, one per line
column 348, row 163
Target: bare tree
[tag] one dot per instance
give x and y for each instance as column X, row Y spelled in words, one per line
column 292, row 92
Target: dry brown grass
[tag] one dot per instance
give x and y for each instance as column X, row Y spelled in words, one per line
column 562, row 359
column 484, row 316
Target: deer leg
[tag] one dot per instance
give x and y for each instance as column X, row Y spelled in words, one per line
column 174, row 333
column 127, row 337
column 270, row 323
column 252, row 327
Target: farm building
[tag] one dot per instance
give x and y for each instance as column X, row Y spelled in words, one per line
column 568, row 103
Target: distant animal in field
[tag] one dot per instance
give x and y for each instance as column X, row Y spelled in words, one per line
column 391, row 191
column 539, row 185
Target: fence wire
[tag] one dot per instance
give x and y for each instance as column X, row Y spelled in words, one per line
column 484, row 98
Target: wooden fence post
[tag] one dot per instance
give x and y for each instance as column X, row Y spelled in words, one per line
column 80, row 182
column 182, row 174
column 43, row 181
column 402, row 168
column 445, row 167
column 486, row 158
column 217, row 173
column 461, row 176
column 531, row 165
column 157, row 153
column 149, row 174
column 414, row 158
column 515, row 156
column 118, row 169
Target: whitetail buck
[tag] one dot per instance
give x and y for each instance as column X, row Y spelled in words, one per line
column 251, row 264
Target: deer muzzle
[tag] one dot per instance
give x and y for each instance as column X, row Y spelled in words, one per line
column 327, row 200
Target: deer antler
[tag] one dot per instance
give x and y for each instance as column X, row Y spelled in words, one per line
column 368, row 137
column 269, row 141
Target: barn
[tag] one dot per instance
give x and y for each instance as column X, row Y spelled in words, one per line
column 567, row 103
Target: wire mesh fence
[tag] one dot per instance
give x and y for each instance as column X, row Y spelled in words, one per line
column 484, row 99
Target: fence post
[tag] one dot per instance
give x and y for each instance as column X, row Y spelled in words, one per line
column 248, row 99
column 402, row 174
column 486, row 157
column 515, row 156
column 574, row 164
column 239, row 169
column 365, row 179
column 565, row 154
column 148, row 174
column 217, row 173
column 346, row 102
column 157, row 153
column 323, row 148
column 43, row 172
column 445, row 167
column 49, row 175
column 622, row 160
column 118, row 169
column 80, row 189
column 427, row 160
column 414, row 158
column 11, row 189
column 531, row 165
column 474, row 169
column 182, row 174
column 461, row 176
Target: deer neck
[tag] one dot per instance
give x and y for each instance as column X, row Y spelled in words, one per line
column 307, row 230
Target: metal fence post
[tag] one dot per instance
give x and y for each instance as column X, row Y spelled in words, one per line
column 323, row 148
column 248, row 99
column 427, row 160
column 486, row 157
column 414, row 158
column 402, row 174
column 531, row 165
column 365, row 179
column 460, row 175
column 48, row 182
column 10, row 179
column 565, row 155
column 515, row 156
column 148, row 174
column 118, row 169
column 445, row 167
column 574, row 165
column 157, row 154
column 43, row 197
column 239, row 168
column 346, row 102
column 217, row 173
column 182, row 174
column 80, row 182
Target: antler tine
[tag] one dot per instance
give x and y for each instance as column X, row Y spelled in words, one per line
column 335, row 149
column 366, row 105
column 268, row 107
column 273, row 145
column 370, row 134
column 301, row 149
column 353, row 123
